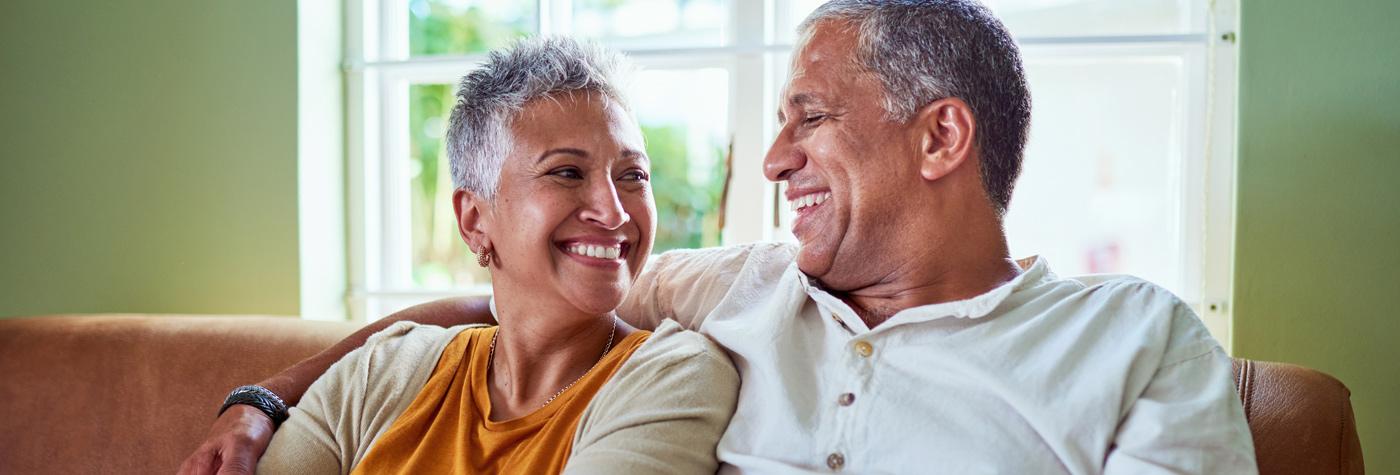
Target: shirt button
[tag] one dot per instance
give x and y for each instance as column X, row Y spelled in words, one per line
column 835, row 461
column 846, row 399
column 864, row 348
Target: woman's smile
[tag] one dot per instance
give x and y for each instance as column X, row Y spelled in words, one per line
column 610, row 253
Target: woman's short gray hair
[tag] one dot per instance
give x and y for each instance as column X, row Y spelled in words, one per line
column 492, row 96
column 926, row 50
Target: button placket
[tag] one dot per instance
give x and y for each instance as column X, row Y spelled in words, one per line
column 835, row 461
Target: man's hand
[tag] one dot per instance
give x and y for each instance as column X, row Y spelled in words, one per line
column 235, row 443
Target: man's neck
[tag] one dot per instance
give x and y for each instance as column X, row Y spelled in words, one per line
column 972, row 264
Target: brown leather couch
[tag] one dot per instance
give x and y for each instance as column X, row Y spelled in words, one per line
column 136, row 394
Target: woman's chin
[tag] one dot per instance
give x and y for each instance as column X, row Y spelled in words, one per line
column 598, row 299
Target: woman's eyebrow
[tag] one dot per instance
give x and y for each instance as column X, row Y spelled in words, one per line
column 553, row 151
column 635, row 155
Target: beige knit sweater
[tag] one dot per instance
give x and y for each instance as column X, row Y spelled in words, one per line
column 663, row 412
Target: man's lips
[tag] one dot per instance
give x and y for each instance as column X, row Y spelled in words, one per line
column 798, row 201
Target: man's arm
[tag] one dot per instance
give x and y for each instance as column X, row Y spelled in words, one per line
column 292, row 382
column 241, row 434
column 1188, row 419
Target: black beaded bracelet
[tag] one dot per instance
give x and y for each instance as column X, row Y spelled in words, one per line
column 262, row 398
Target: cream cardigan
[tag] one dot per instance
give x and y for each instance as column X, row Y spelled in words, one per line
column 662, row 412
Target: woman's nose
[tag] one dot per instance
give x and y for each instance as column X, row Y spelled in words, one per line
column 603, row 208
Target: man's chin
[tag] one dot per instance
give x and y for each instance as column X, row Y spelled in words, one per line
column 813, row 261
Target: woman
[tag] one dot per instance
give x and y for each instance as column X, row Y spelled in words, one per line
column 553, row 196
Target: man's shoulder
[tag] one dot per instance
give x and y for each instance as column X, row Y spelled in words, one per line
column 721, row 267
column 756, row 252
column 1118, row 287
column 1136, row 306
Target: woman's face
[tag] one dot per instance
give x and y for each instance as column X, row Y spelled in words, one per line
column 574, row 217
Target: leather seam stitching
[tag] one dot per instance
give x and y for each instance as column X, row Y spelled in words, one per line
column 1341, row 438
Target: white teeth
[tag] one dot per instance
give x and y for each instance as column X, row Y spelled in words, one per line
column 809, row 200
column 601, row 252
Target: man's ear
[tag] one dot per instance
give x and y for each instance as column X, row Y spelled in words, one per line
column 472, row 219
column 947, row 132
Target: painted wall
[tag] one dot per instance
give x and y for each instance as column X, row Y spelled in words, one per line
column 148, row 156
column 1317, row 256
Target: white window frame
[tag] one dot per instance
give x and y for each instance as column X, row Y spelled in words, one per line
column 376, row 123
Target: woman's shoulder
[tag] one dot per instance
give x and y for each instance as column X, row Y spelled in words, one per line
column 405, row 345
column 671, row 343
column 674, row 359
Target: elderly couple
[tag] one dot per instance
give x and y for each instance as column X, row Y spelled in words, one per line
column 899, row 337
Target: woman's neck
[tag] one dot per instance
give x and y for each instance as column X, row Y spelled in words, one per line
column 541, row 349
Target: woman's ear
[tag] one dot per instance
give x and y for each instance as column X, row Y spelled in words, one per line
column 947, row 132
column 473, row 219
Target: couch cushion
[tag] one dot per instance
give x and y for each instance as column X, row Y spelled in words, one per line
column 132, row 393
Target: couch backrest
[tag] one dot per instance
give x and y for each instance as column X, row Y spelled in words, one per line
column 136, row 394
column 132, row 394
column 1301, row 419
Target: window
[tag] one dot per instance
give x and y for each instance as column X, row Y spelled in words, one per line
column 1127, row 170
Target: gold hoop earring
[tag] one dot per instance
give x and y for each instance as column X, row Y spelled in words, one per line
column 483, row 258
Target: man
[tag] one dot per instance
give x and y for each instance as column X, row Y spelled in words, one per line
column 900, row 336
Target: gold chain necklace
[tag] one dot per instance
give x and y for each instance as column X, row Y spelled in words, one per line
column 491, row 357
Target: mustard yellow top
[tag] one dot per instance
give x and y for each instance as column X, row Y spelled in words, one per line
column 661, row 412
column 447, row 429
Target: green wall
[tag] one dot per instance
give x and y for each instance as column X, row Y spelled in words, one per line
column 148, row 156
column 1318, row 228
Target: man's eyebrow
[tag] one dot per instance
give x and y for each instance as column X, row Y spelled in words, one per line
column 799, row 100
column 553, row 151
column 803, row 99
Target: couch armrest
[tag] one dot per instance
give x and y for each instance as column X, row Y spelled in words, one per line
column 132, row 393
column 1301, row 419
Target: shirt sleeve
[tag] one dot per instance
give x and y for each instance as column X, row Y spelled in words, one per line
column 1189, row 418
column 663, row 413
column 349, row 406
column 685, row 285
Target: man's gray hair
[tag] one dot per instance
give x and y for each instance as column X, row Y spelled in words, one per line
column 491, row 97
column 925, row 50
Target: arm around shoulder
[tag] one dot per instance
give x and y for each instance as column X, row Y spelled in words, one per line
column 663, row 412
column 355, row 400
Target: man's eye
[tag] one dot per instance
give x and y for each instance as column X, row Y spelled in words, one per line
column 812, row 119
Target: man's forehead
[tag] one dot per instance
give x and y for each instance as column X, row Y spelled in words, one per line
column 826, row 57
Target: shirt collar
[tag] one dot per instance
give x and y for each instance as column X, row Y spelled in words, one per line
column 1034, row 270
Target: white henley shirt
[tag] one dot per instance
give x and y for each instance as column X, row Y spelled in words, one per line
column 1100, row 374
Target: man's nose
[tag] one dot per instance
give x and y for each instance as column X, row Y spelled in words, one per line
column 602, row 207
column 783, row 157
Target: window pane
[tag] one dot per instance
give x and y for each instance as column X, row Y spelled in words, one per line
column 1067, row 17
column 467, row 26
column 641, row 24
column 1100, row 17
column 440, row 259
column 684, row 116
column 1101, row 189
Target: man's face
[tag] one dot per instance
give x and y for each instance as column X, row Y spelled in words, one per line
column 848, row 171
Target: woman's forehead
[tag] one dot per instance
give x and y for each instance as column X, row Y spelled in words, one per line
column 579, row 121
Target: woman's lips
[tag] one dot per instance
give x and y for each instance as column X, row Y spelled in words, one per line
column 596, row 253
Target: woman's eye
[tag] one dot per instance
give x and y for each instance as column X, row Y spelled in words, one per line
column 635, row 175
column 570, row 172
